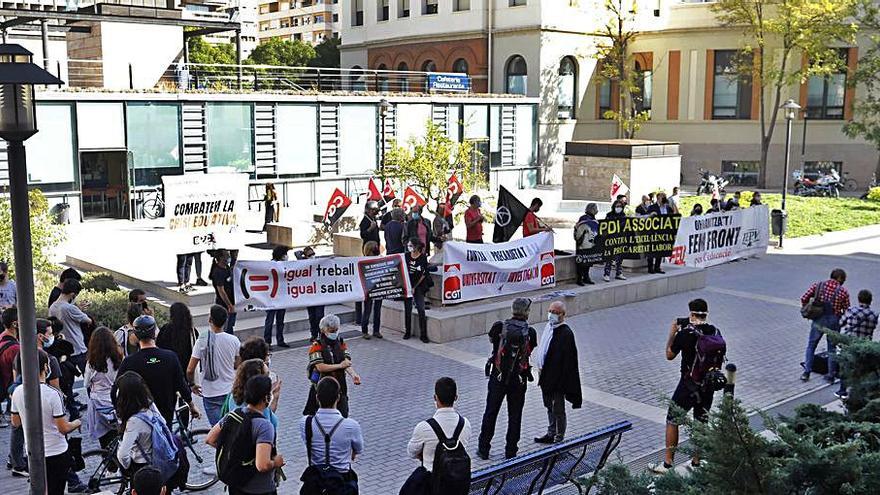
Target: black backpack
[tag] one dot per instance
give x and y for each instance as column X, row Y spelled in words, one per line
column 451, row 472
column 324, row 479
column 514, row 349
column 236, row 452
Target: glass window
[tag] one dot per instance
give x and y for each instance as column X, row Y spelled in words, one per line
column 816, row 169
column 153, row 141
column 402, row 8
column 296, row 131
column 566, row 88
column 516, row 74
column 740, row 173
column 826, row 94
column 230, row 135
column 460, row 66
column 514, row 3
column 358, row 144
column 411, row 121
column 357, row 12
column 429, row 66
column 604, row 90
column 461, row 5
column 732, row 92
column 453, row 122
column 382, row 10
column 525, row 135
column 100, row 125
column 429, row 7
column 476, row 121
column 643, row 98
column 50, row 153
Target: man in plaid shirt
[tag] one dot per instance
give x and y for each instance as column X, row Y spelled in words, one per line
column 859, row 322
column 836, row 301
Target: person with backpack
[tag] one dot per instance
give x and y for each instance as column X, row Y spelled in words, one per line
column 440, row 443
column 332, row 442
column 329, row 356
column 104, row 359
column 124, row 335
column 824, row 303
column 217, row 352
column 703, row 351
column 559, row 377
column 508, row 370
column 585, row 232
column 247, row 460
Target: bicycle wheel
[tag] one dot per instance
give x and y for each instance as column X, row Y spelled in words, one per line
column 103, row 472
column 202, row 470
column 850, row 185
column 153, row 208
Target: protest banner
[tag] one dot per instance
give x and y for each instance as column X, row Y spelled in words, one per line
column 478, row 271
column 716, row 238
column 631, row 237
column 203, row 211
column 265, row 285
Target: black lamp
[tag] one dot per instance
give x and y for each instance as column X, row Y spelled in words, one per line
column 18, row 75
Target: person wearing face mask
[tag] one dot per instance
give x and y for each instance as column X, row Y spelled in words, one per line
column 585, row 232
column 616, row 212
column 72, row 318
column 644, row 208
column 420, row 281
column 697, row 210
column 661, row 207
column 557, row 362
column 221, row 278
column 7, row 288
column 329, row 356
column 419, row 228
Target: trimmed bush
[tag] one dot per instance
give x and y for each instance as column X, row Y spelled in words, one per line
column 99, row 282
column 109, row 307
column 874, row 194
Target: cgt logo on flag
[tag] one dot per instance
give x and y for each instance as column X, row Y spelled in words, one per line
column 411, row 198
column 677, row 256
column 617, row 187
column 548, row 269
column 249, row 283
column 452, row 283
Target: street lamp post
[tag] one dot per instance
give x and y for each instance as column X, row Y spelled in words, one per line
column 384, row 106
column 18, row 121
column 791, row 109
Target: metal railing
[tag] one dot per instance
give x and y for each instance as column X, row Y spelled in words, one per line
column 560, row 464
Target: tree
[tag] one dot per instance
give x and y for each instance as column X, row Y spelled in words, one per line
column 284, row 53
column 428, row 163
column 327, row 53
column 617, row 65
column 866, row 111
column 45, row 235
column 202, row 52
column 777, row 34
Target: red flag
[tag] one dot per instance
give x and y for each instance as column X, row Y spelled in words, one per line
column 453, row 192
column 374, row 195
column 388, row 191
column 617, row 187
column 411, row 198
column 336, row 207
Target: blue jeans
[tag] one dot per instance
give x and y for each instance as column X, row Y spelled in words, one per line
column 230, row 323
column 16, row 448
column 213, row 406
column 277, row 317
column 829, row 322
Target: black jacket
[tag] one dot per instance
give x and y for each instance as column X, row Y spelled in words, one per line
column 412, row 231
column 369, row 232
column 655, row 209
column 560, row 372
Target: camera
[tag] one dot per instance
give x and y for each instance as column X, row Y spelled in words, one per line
column 683, row 322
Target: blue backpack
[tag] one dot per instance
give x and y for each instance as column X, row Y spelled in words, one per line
column 165, row 449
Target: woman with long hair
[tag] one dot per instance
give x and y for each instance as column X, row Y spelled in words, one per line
column 102, row 363
column 179, row 334
column 247, row 369
column 134, row 405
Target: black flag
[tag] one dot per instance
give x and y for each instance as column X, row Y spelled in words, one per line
column 508, row 217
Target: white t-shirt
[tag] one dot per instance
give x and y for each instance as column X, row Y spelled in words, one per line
column 225, row 349
column 53, row 407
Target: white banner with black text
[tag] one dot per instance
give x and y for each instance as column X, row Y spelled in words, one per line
column 478, row 271
column 716, row 238
column 205, row 211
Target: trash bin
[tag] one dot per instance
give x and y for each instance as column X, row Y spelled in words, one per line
column 778, row 222
column 60, row 214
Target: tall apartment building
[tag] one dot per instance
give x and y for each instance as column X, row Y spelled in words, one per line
column 242, row 11
column 310, row 21
column 544, row 48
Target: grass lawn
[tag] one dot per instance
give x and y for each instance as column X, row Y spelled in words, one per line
column 810, row 215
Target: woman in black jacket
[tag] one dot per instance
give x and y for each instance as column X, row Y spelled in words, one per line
column 616, row 212
column 178, row 334
column 420, row 281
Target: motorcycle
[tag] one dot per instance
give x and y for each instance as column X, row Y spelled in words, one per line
column 828, row 185
column 708, row 183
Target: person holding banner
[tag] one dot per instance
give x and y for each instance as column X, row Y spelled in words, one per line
column 661, row 207
column 420, row 280
column 371, row 305
column 531, row 223
column 616, row 212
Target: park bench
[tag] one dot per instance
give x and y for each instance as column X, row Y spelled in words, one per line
column 555, row 466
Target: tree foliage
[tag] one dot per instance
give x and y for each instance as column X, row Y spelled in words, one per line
column 202, row 52
column 776, row 36
column 866, row 110
column 327, row 53
column 284, row 53
column 617, row 65
column 428, row 163
column 45, row 235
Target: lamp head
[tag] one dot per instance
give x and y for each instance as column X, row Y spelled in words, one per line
column 791, row 109
column 18, row 75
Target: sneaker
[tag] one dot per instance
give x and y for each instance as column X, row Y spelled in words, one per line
column 378, row 336
column 424, row 339
column 181, row 289
column 842, row 395
column 606, row 278
column 659, row 468
column 620, row 277
column 805, row 377
column 79, row 488
column 367, row 336
column 406, row 336
column 20, row 472
column 201, row 282
column 659, row 271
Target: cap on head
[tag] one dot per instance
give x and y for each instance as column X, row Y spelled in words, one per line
column 145, row 327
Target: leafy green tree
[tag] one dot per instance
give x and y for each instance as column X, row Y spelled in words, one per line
column 866, row 110
column 776, row 35
column 284, row 53
column 327, row 53
column 45, row 235
column 202, row 52
column 428, row 163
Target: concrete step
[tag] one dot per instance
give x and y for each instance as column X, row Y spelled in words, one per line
column 296, row 323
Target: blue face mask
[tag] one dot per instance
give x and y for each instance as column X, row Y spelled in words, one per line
column 332, row 336
column 49, row 341
column 416, row 215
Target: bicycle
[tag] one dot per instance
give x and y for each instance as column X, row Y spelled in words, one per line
column 105, row 473
column 154, row 207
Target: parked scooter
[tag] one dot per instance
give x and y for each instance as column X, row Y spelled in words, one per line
column 708, row 183
column 828, row 185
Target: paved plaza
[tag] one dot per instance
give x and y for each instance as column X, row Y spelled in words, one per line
column 623, row 369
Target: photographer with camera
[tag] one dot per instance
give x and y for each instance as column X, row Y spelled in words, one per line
column 703, row 351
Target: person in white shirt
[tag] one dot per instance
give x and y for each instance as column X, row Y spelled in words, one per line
column 55, row 428
column 424, row 441
column 8, row 296
column 216, row 350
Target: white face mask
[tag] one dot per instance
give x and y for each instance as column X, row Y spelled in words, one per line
column 618, row 210
column 553, row 318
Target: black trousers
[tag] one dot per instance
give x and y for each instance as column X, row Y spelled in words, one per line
column 654, row 263
column 515, row 392
column 583, row 271
column 419, row 299
column 315, row 315
column 57, row 467
column 373, row 306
